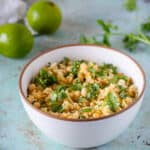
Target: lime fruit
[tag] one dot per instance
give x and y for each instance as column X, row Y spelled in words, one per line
column 16, row 40
column 44, row 17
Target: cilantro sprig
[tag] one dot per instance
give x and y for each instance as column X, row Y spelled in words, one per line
column 107, row 31
column 145, row 27
column 130, row 40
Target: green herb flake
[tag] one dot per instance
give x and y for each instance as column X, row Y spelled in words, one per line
column 123, row 94
column 44, row 79
column 93, row 71
column 77, row 86
column 75, row 67
column 116, row 78
column 56, row 107
column 62, row 95
column 59, row 94
column 54, row 96
column 82, row 116
column 109, row 66
column 92, row 90
column 96, row 73
column 105, row 40
column 123, row 91
column 112, row 101
column 86, row 109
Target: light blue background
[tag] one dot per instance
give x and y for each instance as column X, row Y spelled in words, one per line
column 17, row 132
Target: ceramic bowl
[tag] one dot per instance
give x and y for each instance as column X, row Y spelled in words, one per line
column 85, row 133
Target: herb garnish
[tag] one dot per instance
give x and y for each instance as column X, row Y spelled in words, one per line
column 56, row 107
column 130, row 40
column 75, row 67
column 45, row 79
column 112, row 101
column 88, row 109
column 92, row 90
column 76, row 86
column 59, row 94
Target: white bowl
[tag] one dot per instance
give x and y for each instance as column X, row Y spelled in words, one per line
column 87, row 133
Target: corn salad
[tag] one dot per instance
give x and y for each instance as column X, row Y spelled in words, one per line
column 80, row 89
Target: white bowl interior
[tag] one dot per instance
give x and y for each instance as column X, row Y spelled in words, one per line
column 91, row 53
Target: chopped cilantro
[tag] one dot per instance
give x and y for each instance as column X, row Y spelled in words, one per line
column 75, row 67
column 123, row 91
column 92, row 90
column 129, row 42
column 107, row 27
column 44, row 79
column 56, row 107
column 112, row 101
column 59, row 94
column 109, row 66
column 116, row 78
column 145, row 27
column 76, row 86
column 88, row 109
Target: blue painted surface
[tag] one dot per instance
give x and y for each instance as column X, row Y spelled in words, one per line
column 17, row 132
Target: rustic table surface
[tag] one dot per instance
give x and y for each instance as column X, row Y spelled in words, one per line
column 17, row 132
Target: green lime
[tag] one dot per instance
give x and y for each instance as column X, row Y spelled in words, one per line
column 16, row 40
column 44, row 17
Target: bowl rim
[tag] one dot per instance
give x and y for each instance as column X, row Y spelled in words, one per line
column 79, row 120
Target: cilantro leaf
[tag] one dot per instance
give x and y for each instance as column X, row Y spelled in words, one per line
column 45, row 79
column 88, row 109
column 75, row 67
column 123, row 94
column 76, row 86
column 91, row 40
column 112, row 101
column 59, row 94
column 109, row 66
column 92, row 90
column 145, row 27
column 116, row 78
column 106, row 26
column 130, row 42
column 130, row 5
column 56, row 107
column 106, row 39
